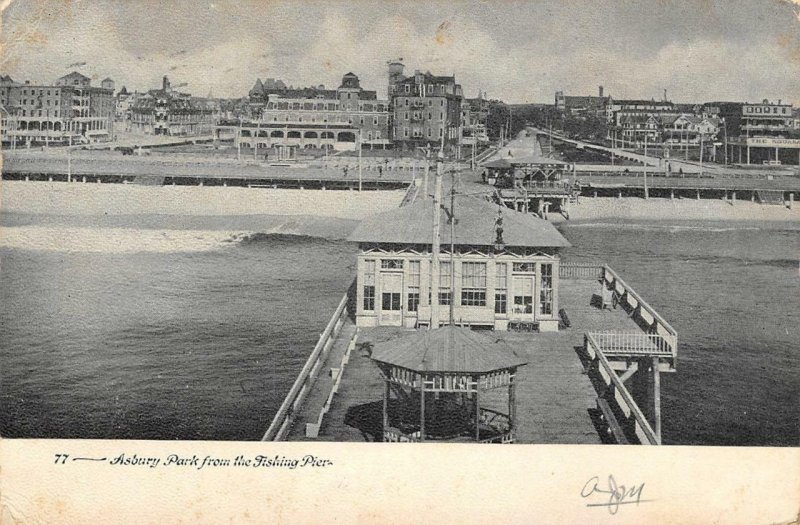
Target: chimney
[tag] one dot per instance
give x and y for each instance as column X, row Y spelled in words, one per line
column 600, row 90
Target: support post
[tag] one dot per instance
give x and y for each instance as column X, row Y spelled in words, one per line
column 791, row 200
column 657, row 399
column 386, row 392
column 478, row 413
column 421, row 407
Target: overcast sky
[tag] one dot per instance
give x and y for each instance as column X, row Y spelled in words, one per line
column 698, row 50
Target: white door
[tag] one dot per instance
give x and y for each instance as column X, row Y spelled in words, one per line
column 391, row 303
column 522, row 300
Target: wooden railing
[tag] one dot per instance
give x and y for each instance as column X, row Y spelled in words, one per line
column 282, row 421
column 632, row 343
column 642, row 312
column 312, row 429
column 580, row 271
column 617, row 396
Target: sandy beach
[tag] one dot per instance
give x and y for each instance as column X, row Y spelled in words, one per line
column 58, row 198
column 312, row 208
column 636, row 209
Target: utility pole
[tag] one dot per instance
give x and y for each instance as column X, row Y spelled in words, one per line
column 359, row 159
column 436, row 246
column 239, row 141
column 701, row 153
column 452, row 246
column 646, row 192
column 725, row 130
column 69, row 160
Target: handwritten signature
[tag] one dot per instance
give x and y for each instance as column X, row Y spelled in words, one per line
column 616, row 494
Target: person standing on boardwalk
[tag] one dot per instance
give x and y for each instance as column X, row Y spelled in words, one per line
column 344, row 169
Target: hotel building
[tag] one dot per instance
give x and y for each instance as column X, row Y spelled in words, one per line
column 70, row 110
column 425, row 108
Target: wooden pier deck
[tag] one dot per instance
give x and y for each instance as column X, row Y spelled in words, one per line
column 556, row 399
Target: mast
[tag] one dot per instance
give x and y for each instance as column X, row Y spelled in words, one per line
column 452, row 247
column 437, row 240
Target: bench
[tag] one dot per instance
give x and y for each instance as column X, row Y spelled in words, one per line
column 611, row 420
column 523, row 326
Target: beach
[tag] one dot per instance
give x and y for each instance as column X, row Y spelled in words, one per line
column 637, row 209
column 314, row 208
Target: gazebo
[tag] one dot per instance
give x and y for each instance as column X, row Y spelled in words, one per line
column 439, row 378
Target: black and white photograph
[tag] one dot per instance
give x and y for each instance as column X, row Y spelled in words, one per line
column 465, row 223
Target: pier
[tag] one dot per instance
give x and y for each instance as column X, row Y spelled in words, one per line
column 596, row 380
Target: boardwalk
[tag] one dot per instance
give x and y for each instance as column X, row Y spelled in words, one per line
column 556, row 399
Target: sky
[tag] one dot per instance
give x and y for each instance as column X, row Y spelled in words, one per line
column 698, row 50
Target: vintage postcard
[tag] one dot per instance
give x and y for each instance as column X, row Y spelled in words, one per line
column 307, row 261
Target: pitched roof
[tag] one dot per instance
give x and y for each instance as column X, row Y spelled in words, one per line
column 475, row 225
column 448, row 349
column 535, row 159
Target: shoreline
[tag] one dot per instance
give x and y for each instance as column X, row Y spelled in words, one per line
column 94, row 200
column 635, row 209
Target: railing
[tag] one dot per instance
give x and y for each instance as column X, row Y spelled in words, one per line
column 312, row 429
column 282, row 421
column 643, row 312
column 619, row 396
column 632, row 343
column 580, row 271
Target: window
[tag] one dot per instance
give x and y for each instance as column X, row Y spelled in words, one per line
column 527, row 267
column 445, row 275
column 406, row 116
column 546, row 293
column 375, row 121
column 391, row 264
column 390, row 301
column 473, row 284
column 369, row 284
column 501, row 288
column 413, row 285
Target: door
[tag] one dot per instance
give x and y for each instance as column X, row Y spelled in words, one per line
column 522, row 307
column 391, row 294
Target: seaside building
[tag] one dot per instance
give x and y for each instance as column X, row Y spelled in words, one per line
column 166, row 111
column 761, row 133
column 425, row 108
column 688, row 129
column 70, row 110
column 498, row 267
column 582, row 105
column 474, row 113
column 315, row 117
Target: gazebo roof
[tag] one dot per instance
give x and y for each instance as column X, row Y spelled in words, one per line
column 536, row 159
column 498, row 164
column 448, row 349
column 475, row 225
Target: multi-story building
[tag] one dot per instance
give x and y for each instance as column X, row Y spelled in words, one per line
column 168, row 112
column 688, row 129
column 760, row 133
column 70, row 110
column 314, row 117
column 582, row 105
column 474, row 112
column 426, row 109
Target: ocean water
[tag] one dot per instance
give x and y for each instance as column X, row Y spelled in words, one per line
column 732, row 292
column 144, row 328
column 157, row 334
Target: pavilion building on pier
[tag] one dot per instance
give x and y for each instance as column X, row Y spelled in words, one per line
column 498, row 267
